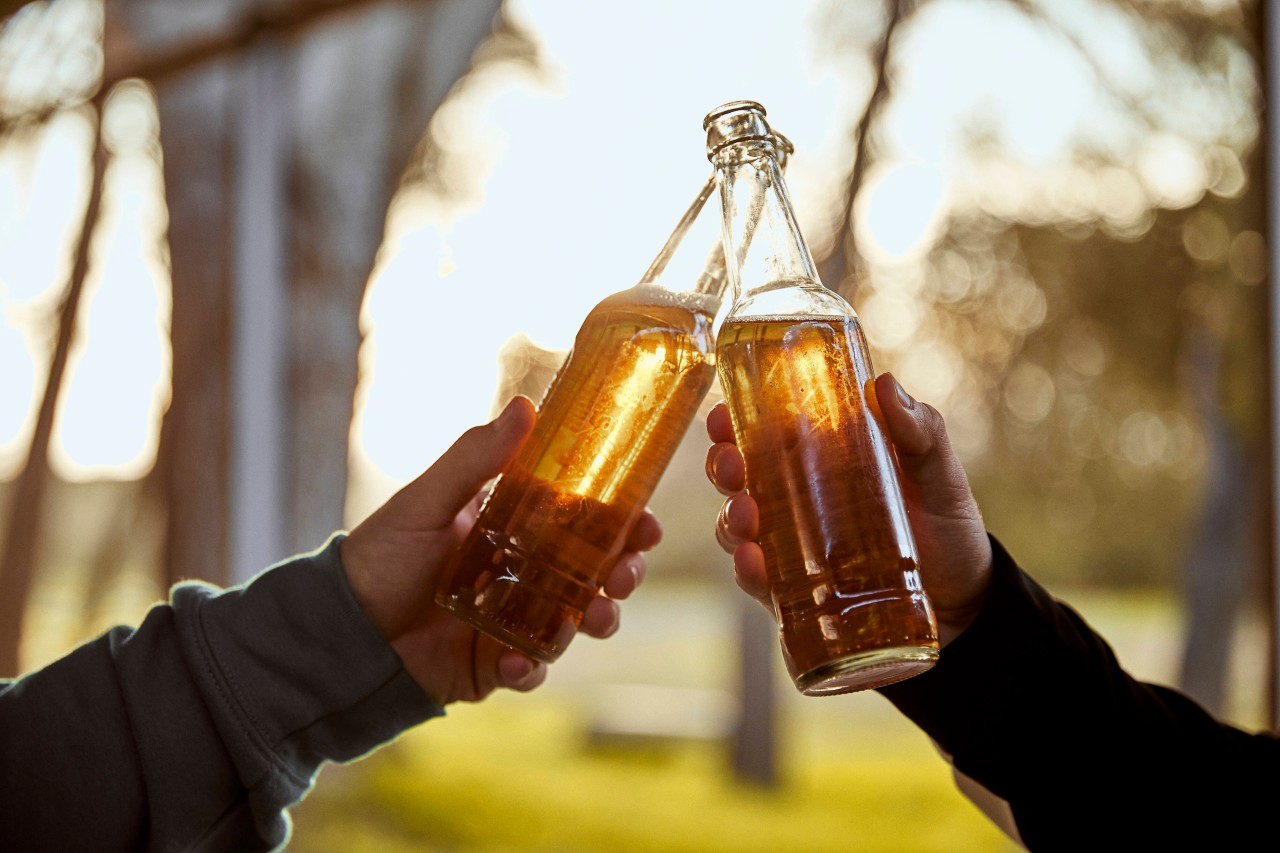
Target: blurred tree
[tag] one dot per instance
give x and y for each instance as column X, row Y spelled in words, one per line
column 1098, row 346
column 20, row 558
column 284, row 143
column 9, row 7
column 23, row 109
column 286, row 127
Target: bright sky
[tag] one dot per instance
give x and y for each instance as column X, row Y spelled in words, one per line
column 577, row 179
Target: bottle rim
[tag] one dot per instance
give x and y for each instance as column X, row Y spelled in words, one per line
column 732, row 107
column 736, row 122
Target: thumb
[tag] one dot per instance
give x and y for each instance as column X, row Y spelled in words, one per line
column 955, row 554
column 930, row 468
column 478, row 455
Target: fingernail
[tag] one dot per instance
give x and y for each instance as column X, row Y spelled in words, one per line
column 508, row 412
column 903, row 397
column 520, row 671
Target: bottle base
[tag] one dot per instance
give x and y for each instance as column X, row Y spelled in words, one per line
column 867, row 670
column 517, row 598
column 481, row 621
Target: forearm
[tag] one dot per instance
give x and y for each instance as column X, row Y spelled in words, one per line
column 1032, row 704
column 199, row 728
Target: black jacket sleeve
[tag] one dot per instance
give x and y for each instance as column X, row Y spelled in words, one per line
column 197, row 730
column 1033, row 704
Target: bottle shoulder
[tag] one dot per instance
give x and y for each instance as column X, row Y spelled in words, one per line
column 647, row 310
column 647, row 295
column 790, row 299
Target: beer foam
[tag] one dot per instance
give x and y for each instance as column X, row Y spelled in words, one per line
column 761, row 319
column 652, row 294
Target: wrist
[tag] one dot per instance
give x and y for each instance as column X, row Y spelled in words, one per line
column 958, row 604
column 354, row 566
column 953, row 626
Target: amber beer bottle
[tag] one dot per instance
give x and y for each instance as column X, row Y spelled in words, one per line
column 794, row 366
column 608, row 425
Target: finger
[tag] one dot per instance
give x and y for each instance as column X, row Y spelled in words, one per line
column 726, row 468
column 625, row 576
column 519, row 672
column 477, row 456
column 601, row 619
column 748, row 570
column 931, row 470
column 910, row 423
column 719, row 424
column 739, row 521
column 645, row 534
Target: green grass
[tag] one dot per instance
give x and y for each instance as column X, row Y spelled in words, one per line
column 522, row 772
column 519, row 774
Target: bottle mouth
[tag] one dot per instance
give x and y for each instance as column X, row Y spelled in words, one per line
column 732, row 107
column 733, row 122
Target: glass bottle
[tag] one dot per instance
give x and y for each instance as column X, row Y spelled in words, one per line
column 556, row 520
column 794, row 366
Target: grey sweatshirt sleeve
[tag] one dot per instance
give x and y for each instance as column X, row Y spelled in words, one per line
column 199, row 728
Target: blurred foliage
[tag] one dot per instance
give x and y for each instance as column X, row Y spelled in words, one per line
column 1093, row 364
column 50, row 60
column 1093, row 324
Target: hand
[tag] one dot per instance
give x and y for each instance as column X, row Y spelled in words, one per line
column 955, row 554
column 394, row 557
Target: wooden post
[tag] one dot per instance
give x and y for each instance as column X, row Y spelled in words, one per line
column 755, row 739
column 259, row 344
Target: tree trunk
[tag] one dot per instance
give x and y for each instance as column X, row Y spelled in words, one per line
column 285, row 128
column 354, row 134
column 1222, row 554
column 195, row 440
column 27, row 502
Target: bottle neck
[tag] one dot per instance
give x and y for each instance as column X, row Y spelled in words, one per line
column 763, row 247
column 708, row 288
column 711, row 284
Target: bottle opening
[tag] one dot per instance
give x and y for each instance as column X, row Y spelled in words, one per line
column 733, row 122
column 731, row 107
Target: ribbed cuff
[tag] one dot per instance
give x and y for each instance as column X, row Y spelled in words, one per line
column 298, row 668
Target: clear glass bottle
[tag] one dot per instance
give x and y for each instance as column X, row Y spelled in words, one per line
column 794, row 366
column 608, row 425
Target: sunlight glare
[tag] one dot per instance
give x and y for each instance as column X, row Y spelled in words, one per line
column 108, row 423
column 1172, row 172
column 575, row 178
column 51, row 174
column 17, row 397
column 901, row 210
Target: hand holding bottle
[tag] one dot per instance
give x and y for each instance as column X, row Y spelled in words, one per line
column 955, row 554
column 796, row 372
column 393, row 561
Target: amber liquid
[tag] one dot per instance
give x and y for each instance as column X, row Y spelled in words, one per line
column 557, row 518
column 841, row 561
